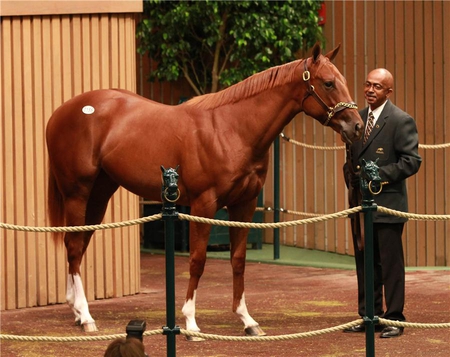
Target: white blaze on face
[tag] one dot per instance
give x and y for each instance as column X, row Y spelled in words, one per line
column 243, row 314
column 189, row 313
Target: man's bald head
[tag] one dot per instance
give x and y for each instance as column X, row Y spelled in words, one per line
column 378, row 87
column 385, row 77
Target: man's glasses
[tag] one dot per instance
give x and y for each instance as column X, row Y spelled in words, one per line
column 375, row 86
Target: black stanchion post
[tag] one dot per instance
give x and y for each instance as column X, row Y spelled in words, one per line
column 276, row 197
column 170, row 194
column 370, row 179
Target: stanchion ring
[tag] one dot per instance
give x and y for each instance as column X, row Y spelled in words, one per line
column 375, row 193
column 170, row 200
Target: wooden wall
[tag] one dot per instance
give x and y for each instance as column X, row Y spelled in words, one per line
column 46, row 60
column 411, row 39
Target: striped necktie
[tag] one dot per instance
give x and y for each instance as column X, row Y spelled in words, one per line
column 369, row 127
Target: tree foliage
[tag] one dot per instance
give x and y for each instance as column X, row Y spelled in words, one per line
column 214, row 44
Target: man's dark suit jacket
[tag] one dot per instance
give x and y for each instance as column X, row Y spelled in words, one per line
column 394, row 142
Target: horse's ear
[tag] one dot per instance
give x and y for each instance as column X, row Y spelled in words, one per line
column 176, row 168
column 316, row 51
column 163, row 169
column 332, row 54
column 364, row 162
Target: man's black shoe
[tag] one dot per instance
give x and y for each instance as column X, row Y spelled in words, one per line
column 391, row 331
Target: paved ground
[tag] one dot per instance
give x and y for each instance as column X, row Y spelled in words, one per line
column 284, row 299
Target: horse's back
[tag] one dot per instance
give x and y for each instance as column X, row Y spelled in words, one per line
column 96, row 102
column 96, row 111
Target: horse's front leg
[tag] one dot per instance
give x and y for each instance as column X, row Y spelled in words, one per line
column 198, row 241
column 238, row 246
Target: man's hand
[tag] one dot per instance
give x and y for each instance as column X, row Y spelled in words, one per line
column 355, row 179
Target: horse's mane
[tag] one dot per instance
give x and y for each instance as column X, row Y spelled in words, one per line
column 259, row 82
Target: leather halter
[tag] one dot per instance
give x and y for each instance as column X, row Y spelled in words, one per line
column 331, row 111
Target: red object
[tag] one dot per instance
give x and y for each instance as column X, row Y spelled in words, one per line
column 322, row 14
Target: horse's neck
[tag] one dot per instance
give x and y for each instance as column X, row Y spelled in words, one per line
column 261, row 118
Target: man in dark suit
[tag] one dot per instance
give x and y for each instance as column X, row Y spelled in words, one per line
column 391, row 137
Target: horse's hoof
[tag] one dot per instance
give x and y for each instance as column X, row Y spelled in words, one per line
column 254, row 331
column 89, row 327
column 194, row 339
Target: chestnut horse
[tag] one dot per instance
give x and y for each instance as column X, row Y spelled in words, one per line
column 104, row 139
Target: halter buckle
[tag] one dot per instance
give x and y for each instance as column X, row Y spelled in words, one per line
column 306, row 75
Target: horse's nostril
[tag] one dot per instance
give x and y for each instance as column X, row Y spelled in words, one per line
column 358, row 129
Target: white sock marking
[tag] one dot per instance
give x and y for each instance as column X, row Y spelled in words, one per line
column 189, row 314
column 243, row 314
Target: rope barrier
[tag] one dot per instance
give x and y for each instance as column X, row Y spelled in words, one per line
column 412, row 324
column 73, row 338
column 298, row 143
column 182, row 216
column 414, row 216
column 434, row 147
column 316, row 147
column 319, row 218
column 208, row 336
column 311, row 333
column 93, row 227
column 288, row 211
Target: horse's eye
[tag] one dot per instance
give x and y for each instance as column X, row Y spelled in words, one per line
column 328, row 84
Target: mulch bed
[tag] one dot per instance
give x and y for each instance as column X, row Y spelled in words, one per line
column 283, row 299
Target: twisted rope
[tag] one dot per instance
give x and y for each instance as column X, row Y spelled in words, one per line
column 412, row 324
column 434, row 147
column 73, row 338
column 92, row 227
column 414, row 216
column 287, row 211
column 295, row 142
column 208, row 336
column 181, row 216
column 310, row 333
column 298, row 143
column 217, row 222
column 315, row 218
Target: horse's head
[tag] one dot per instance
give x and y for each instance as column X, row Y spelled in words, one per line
column 327, row 98
column 171, row 193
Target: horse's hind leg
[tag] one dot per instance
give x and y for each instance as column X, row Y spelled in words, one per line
column 238, row 247
column 77, row 243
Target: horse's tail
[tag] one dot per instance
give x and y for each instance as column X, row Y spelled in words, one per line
column 55, row 206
